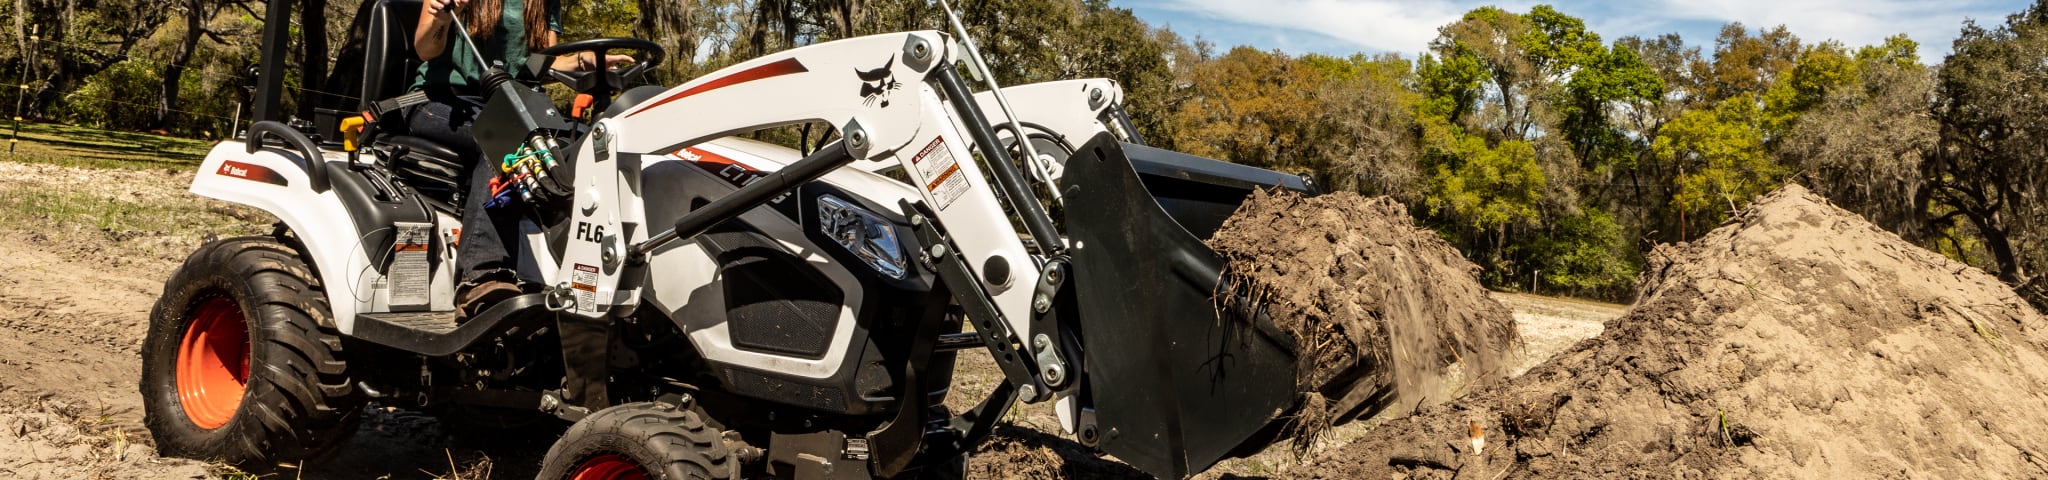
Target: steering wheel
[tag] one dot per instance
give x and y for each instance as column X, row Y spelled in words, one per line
column 603, row 83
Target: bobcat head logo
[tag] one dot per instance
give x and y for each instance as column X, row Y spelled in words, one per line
column 876, row 84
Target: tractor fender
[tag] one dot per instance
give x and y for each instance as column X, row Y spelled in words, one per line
column 275, row 179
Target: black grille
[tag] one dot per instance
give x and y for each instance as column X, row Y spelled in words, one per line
column 775, row 302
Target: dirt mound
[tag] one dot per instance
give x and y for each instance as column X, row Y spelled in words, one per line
column 1383, row 311
column 1797, row 340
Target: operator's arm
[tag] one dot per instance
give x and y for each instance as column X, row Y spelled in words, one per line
column 582, row 61
column 430, row 37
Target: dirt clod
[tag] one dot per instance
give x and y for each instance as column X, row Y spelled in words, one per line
column 1386, row 315
column 1795, row 341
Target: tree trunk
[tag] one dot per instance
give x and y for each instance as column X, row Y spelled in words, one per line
column 174, row 73
column 312, row 36
column 1999, row 243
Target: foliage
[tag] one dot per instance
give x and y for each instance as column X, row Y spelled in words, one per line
column 1542, row 150
column 1580, row 256
column 1720, row 158
column 1988, row 163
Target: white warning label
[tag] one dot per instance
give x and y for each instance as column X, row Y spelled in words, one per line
column 409, row 265
column 584, row 281
column 941, row 173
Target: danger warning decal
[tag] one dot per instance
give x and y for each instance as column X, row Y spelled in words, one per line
column 584, row 281
column 257, row 173
column 941, row 173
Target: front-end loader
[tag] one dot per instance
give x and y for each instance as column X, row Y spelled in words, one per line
column 701, row 305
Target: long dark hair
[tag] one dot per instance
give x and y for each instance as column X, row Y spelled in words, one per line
column 482, row 18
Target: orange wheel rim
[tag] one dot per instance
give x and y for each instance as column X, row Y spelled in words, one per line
column 213, row 363
column 609, row 467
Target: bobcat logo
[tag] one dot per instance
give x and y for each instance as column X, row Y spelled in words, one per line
column 876, row 84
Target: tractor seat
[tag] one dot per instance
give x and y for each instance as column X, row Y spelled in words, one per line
column 388, row 67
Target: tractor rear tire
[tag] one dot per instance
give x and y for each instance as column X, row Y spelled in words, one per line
column 238, row 367
column 641, row 441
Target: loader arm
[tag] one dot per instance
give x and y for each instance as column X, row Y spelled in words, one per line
column 1179, row 384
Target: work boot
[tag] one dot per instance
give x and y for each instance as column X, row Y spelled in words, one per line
column 480, row 296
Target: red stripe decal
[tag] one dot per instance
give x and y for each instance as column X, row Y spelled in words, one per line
column 777, row 69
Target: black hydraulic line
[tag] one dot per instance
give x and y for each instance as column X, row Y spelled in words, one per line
column 1010, row 181
column 277, row 37
column 314, row 164
column 755, row 194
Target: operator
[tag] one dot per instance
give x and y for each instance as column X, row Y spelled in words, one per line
column 504, row 30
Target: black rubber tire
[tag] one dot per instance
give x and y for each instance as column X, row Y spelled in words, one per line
column 666, row 442
column 299, row 402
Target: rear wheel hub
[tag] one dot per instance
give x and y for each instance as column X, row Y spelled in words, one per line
column 213, row 363
column 609, row 467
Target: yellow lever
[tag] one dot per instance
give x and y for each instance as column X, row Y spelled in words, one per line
column 351, row 127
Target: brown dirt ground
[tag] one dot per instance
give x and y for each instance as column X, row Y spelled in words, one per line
column 1795, row 341
column 74, row 299
column 1372, row 300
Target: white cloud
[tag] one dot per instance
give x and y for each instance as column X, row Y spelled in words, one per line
column 1377, row 25
column 1854, row 22
column 1407, row 26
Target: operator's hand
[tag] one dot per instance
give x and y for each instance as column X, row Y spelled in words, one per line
column 435, row 8
column 581, row 62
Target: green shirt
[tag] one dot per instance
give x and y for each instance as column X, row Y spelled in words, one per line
column 457, row 67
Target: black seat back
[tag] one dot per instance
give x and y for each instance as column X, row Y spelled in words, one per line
column 389, row 62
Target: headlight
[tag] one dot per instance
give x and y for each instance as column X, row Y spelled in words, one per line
column 862, row 232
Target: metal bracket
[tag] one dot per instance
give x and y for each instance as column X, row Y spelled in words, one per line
column 1044, row 347
column 1018, row 368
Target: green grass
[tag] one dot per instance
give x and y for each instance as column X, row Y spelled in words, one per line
column 66, row 145
column 20, row 206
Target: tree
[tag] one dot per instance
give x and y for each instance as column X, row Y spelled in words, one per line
column 1252, row 107
column 1721, row 161
column 196, row 15
column 1745, row 64
column 1862, row 144
column 80, row 38
column 1364, row 136
column 1987, row 168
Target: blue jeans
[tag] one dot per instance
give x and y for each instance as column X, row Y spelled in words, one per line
column 488, row 234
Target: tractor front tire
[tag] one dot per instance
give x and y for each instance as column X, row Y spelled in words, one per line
column 640, row 441
column 237, row 366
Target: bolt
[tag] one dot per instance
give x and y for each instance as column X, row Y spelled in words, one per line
column 1028, row 394
column 1088, row 433
column 1041, row 342
column 1041, row 303
column 1094, row 95
column 938, row 252
column 857, row 140
column 1054, row 373
column 917, row 220
column 920, row 50
column 1055, row 275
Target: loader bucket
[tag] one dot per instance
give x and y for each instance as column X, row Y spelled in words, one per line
column 1177, row 383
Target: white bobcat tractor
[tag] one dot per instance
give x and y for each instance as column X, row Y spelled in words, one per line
column 716, row 307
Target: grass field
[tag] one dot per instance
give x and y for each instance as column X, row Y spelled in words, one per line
column 53, row 144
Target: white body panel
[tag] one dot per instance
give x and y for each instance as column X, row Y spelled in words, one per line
column 271, row 180
column 902, row 118
column 1070, row 109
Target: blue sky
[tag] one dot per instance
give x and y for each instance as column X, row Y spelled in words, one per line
column 1343, row 27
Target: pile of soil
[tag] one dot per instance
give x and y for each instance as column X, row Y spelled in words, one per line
column 1796, row 340
column 1386, row 316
